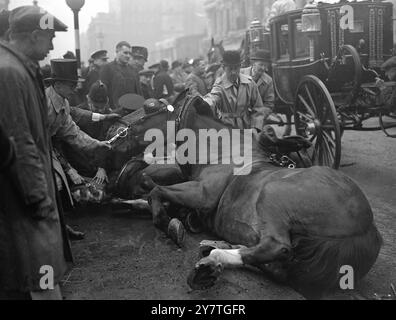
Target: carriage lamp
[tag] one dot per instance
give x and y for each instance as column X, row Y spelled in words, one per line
column 256, row 35
column 310, row 18
column 311, row 25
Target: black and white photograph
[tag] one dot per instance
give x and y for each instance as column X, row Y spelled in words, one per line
column 197, row 155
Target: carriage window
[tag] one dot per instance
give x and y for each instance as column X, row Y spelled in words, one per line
column 358, row 26
column 301, row 41
column 284, row 42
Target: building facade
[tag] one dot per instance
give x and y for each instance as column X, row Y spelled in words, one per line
column 4, row 4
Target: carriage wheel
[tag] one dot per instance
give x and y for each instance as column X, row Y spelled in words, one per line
column 348, row 67
column 316, row 119
column 388, row 124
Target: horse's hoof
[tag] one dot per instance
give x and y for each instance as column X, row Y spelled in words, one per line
column 204, row 275
column 176, row 232
column 193, row 224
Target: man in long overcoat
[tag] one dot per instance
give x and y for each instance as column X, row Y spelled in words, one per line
column 32, row 248
column 235, row 98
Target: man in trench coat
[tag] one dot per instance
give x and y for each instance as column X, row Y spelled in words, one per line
column 33, row 250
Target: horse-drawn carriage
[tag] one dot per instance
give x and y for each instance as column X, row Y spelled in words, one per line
column 326, row 66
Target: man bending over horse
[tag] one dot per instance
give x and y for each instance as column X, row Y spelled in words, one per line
column 235, row 97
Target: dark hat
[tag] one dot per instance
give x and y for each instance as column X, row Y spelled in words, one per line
column 69, row 55
column 131, row 102
column 64, row 70
column 176, row 64
column 98, row 92
column 100, row 54
column 151, row 106
column 146, row 72
column 262, row 55
column 232, row 58
column 155, row 66
column 30, row 18
column 164, row 64
column 4, row 24
column 140, row 52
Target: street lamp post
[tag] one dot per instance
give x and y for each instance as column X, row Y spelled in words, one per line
column 76, row 6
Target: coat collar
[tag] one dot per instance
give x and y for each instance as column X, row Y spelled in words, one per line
column 31, row 66
column 55, row 99
column 243, row 79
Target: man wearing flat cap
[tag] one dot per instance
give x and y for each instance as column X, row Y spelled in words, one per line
column 139, row 58
column 235, row 97
column 30, row 219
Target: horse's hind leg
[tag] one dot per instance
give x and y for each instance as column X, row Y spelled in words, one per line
column 193, row 195
column 208, row 269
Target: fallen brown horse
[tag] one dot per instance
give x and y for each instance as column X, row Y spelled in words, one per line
column 299, row 225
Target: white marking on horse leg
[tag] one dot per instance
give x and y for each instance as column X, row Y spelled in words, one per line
column 228, row 258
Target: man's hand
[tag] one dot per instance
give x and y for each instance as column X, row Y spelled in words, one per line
column 75, row 177
column 43, row 209
column 104, row 146
column 101, row 176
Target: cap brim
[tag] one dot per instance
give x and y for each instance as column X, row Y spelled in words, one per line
column 62, row 79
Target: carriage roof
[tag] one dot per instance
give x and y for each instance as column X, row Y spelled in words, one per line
column 372, row 25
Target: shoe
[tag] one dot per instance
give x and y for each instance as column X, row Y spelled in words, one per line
column 176, row 232
column 74, row 235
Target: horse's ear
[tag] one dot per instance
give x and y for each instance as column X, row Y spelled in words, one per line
column 213, row 43
column 202, row 107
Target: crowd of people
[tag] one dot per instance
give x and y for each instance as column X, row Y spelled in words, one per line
column 54, row 124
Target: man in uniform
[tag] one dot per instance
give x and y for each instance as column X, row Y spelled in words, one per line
column 30, row 223
column 235, row 98
column 195, row 81
column 99, row 59
column 119, row 76
column 139, row 58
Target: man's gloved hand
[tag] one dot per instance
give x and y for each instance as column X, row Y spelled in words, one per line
column 75, row 177
column 101, row 176
column 104, row 146
column 43, row 209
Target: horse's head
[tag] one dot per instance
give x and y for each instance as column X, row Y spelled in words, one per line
column 216, row 51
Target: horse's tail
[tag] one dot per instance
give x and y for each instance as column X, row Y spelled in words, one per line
column 318, row 261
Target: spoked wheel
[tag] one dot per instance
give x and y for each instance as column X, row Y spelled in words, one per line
column 316, row 120
column 346, row 72
column 388, row 124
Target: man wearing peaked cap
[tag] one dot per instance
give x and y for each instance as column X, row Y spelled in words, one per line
column 29, row 200
column 99, row 59
column 235, row 98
